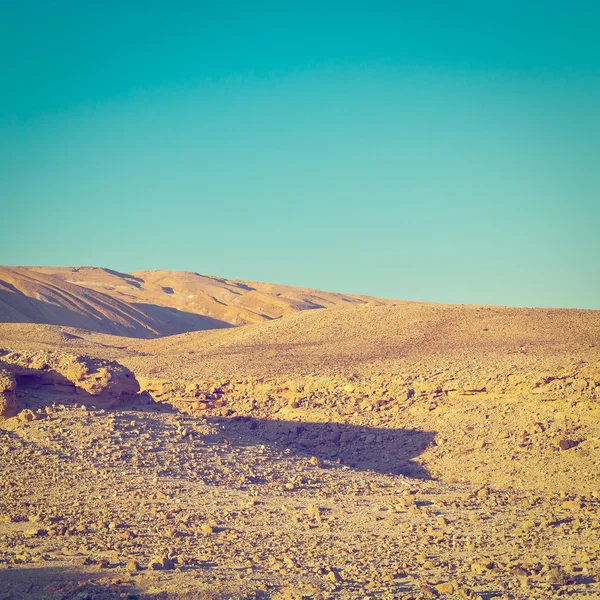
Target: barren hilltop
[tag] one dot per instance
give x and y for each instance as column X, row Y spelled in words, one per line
column 366, row 449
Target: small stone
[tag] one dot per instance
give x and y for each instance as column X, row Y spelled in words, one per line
column 483, row 493
column 161, row 563
column 206, row 529
column 347, row 436
column 132, row 566
column 27, row 415
column 334, row 576
column 34, row 532
column 156, row 563
column 571, row 505
column 7, row 519
column 567, row 444
column 428, row 591
column 520, row 572
column 445, row 588
column 317, row 462
column 557, row 576
column 314, row 512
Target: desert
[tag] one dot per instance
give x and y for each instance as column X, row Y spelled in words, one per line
column 299, row 300
column 334, row 447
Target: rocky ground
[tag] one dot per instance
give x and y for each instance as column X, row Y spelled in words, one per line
column 144, row 501
column 404, row 465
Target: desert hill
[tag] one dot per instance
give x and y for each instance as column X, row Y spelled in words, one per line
column 149, row 303
column 347, row 340
column 413, row 450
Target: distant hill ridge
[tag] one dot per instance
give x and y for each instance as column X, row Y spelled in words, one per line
column 148, row 304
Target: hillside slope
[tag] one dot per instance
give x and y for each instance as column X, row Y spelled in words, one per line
column 422, row 338
column 149, row 303
column 28, row 296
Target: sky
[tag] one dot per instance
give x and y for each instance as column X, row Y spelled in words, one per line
column 442, row 151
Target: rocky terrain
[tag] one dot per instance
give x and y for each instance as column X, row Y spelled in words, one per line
column 362, row 451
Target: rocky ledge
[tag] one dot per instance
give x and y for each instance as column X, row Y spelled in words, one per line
column 89, row 381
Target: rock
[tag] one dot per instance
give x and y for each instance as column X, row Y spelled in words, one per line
column 8, row 383
column 557, row 576
column 334, row 576
column 567, row 444
column 445, row 588
column 8, row 400
column 346, row 436
column 26, row 416
column 520, row 572
column 132, row 566
column 161, row 563
column 34, row 532
column 206, row 529
column 483, row 493
column 428, row 591
column 95, row 381
column 571, row 505
column 317, row 462
column 8, row 405
column 314, row 512
column 7, row 519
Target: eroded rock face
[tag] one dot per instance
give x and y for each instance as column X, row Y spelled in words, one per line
column 89, row 381
column 8, row 385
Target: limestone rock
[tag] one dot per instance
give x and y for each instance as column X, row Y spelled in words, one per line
column 8, row 401
column 92, row 381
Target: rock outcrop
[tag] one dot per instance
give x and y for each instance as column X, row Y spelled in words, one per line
column 89, row 381
column 8, row 385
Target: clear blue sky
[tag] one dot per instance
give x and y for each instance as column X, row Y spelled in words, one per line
column 445, row 151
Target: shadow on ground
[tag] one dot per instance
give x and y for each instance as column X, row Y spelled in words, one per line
column 167, row 320
column 388, row 451
column 80, row 583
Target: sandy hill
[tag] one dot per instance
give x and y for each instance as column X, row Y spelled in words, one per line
column 458, row 445
column 149, row 303
column 366, row 338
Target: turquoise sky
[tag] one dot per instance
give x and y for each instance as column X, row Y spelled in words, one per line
column 445, row 151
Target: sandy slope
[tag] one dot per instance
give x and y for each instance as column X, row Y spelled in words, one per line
column 149, row 303
column 368, row 337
